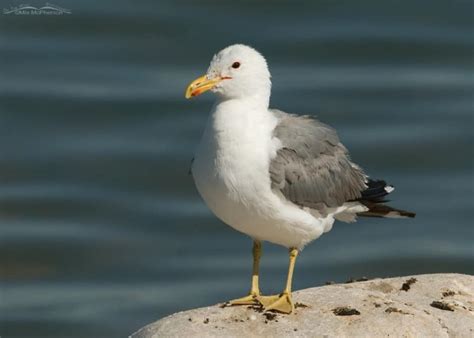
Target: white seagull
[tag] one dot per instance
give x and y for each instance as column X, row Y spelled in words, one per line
column 274, row 176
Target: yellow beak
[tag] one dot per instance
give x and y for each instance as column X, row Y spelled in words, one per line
column 200, row 85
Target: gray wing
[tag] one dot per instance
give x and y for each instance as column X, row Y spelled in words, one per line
column 313, row 168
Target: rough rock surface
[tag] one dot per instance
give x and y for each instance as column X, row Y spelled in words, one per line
column 437, row 305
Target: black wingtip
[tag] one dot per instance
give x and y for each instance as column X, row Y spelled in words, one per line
column 376, row 190
column 385, row 211
column 408, row 214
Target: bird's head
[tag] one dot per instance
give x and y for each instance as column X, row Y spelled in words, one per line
column 236, row 72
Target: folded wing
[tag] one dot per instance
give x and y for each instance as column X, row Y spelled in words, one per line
column 312, row 168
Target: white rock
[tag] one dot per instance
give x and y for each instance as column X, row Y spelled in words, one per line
column 385, row 310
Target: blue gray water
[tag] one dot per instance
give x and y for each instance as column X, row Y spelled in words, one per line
column 102, row 230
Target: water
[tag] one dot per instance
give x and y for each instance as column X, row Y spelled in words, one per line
column 102, row 230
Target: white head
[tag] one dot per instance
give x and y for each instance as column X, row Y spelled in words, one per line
column 236, row 72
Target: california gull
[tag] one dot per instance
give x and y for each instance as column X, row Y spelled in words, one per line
column 274, row 176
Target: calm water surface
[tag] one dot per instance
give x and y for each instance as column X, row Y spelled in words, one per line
column 102, row 230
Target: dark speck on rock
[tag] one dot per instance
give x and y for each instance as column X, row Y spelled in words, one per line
column 345, row 311
column 377, row 305
column 270, row 316
column 353, row 280
column 408, row 283
column 295, row 329
column 448, row 293
column 394, row 309
column 331, row 282
column 442, row 305
column 297, row 305
column 206, row 321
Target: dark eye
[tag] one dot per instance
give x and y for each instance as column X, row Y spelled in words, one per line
column 236, row 65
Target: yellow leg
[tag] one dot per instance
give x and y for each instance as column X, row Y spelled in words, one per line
column 254, row 291
column 284, row 303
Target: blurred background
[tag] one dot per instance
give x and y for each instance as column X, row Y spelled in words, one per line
column 102, row 230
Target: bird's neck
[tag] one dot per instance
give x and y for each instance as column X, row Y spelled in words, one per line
column 257, row 102
column 241, row 118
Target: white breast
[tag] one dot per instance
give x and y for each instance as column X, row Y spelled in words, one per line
column 231, row 172
column 231, row 163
